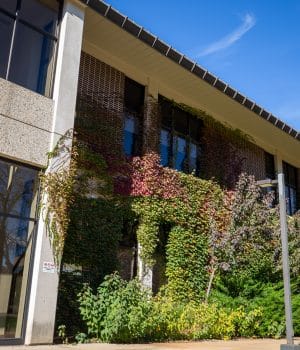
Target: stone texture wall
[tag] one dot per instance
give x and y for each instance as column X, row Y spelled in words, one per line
column 25, row 124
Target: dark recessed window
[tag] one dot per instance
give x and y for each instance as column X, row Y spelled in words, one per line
column 133, row 117
column 179, row 138
column 290, row 177
column 269, row 166
column 28, row 39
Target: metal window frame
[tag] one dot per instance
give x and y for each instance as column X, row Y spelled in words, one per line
column 21, row 339
column 54, row 37
column 187, row 137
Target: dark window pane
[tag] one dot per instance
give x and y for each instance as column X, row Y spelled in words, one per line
column 130, row 135
column 17, row 200
column 9, row 5
column 269, row 165
column 179, row 153
column 181, row 121
column 293, row 200
column 6, row 28
column 134, row 96
column 292, row 176
column 165, row 147
column 17, row 186
column 195, row 128
column 31, row 60
column 166, row 113
column 40, row 14
column 193, row 158
column 14, row 233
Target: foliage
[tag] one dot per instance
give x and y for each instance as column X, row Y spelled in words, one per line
column 219, row 240
column 91, row 246
column 57, row 188
column 251, row 239
column 108, row 313
column 124, row 312
column 186, row 260
column 294, row 244
column 269, row 299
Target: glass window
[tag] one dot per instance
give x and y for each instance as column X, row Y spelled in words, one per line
column 6, row 29
column 28, row 41
column 133, row 114
column 9, row 5
column 165, row 147
column 31, row 68
column 291, row 190
column 269, row 166
column 193, row 158
column 40, row 14
column 179, row 138
column 17, row 222
column 130, row 135
column 179, row 153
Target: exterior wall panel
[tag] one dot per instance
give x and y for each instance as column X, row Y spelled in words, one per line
column 25, row 124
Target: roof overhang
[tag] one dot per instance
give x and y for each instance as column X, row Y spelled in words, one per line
column 111, row 43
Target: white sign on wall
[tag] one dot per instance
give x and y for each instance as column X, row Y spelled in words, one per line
column 49, row 267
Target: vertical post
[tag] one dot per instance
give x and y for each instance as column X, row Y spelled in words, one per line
column 44, row 285
column 145, row 273
column 285, row 260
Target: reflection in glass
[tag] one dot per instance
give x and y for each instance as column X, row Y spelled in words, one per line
column 9, row 5
column 40, row 14
column 17, row 210
column 130, row 135
column 31, row 68
column 165, row 147
column 193, row 157
column 6, row 28
column 179, row 153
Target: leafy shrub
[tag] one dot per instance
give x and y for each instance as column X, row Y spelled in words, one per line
column 125, row 312
column 109, row 313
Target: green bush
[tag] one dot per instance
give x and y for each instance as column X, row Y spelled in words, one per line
column 124, row 312
column 269, row 299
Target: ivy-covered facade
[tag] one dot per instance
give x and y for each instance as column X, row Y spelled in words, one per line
column 117, row 150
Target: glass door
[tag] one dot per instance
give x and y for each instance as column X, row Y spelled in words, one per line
column 18, row 196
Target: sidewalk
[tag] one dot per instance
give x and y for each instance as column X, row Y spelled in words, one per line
column 241, row 344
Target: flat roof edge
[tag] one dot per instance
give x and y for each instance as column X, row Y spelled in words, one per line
column 167, row 50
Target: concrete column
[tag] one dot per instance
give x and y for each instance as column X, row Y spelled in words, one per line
column 278, row 163
column 44, row 284
column 145, row 273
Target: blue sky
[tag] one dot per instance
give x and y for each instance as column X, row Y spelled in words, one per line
column 254, row 45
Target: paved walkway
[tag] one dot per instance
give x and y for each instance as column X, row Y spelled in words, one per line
column 241, row 344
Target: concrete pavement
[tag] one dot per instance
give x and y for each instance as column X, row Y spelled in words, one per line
column 240, row 344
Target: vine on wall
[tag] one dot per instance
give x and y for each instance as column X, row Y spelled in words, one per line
column 57, row 184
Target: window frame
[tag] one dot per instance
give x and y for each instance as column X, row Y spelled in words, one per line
column 16, row 17
column 287, row 169
column 21, row 339
column 173, row 133
column 137, row 114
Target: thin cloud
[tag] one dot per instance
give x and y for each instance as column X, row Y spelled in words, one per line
column 222, row 44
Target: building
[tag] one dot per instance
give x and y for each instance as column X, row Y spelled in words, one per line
column 55, row 53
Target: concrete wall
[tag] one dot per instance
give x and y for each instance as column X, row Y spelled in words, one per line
column 25, row 124
column 43, row 295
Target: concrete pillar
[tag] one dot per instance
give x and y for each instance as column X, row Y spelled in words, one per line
column 43, row 292
column 145, row 273
column 278, row 163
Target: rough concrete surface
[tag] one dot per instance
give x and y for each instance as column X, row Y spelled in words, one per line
column 241, row 344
